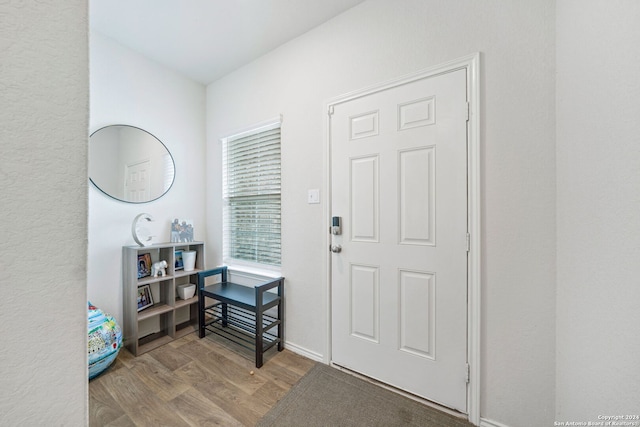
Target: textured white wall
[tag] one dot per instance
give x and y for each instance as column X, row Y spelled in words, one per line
column 44, row 92
column 380, row 40
column 127, row 88
column 598, row 168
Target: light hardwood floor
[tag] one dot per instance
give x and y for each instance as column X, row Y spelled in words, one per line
column 192, row 382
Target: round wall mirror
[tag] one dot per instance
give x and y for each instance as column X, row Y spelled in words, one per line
column 129, row 164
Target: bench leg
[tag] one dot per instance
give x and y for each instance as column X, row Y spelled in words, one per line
column 259, row 341
column 225, row 315
column 201, row 330
column 280, row 327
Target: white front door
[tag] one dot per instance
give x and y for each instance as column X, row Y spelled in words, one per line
column 137, row 185
column 399, row 284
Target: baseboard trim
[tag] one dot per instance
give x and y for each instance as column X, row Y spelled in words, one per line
column 490, row 423
column 303, row 351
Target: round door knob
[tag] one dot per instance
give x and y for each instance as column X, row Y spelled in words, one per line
column 336, row 249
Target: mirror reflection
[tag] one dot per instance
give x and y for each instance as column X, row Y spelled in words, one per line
column 129, row 164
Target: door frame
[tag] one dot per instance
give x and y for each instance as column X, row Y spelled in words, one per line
column 472, row 64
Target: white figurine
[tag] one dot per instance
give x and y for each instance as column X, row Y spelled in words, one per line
column 159, row 267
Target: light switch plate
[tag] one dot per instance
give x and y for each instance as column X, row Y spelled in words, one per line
column 313, row 196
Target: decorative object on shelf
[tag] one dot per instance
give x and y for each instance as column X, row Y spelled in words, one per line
column 181, row 230
column 144, row 265
column 145, row 299
column 105, row 340
column 179, row 265
column 159, row 267
column 187, row 290
column 189, row 258
column 141, row 234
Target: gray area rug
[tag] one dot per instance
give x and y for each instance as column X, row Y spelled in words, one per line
column 326, row 396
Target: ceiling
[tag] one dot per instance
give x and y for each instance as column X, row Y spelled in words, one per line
column 206, row 39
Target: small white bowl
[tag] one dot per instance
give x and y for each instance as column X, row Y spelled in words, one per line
column 186, row 291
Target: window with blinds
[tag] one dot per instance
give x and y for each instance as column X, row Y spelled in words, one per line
column 251, row 195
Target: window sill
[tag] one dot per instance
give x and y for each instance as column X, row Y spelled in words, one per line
column 252, row 273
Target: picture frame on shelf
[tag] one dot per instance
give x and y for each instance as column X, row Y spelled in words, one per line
column 181, row 230
column 145, row 298
column 179, row 264
column 144, row 265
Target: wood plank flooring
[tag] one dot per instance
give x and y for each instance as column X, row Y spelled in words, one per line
column 192, row 382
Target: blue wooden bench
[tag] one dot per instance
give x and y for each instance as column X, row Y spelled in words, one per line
column 238, row 312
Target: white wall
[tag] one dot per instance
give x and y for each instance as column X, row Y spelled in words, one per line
column 127, row 88
column 380, row 40
column 44, row 93
column 598, row 188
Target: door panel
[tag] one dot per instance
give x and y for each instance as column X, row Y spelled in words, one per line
column 416, row 182
column 365, row 306
column 365, row 198
column 417, row 311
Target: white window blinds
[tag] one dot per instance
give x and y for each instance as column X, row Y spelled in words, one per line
column 251, row 193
